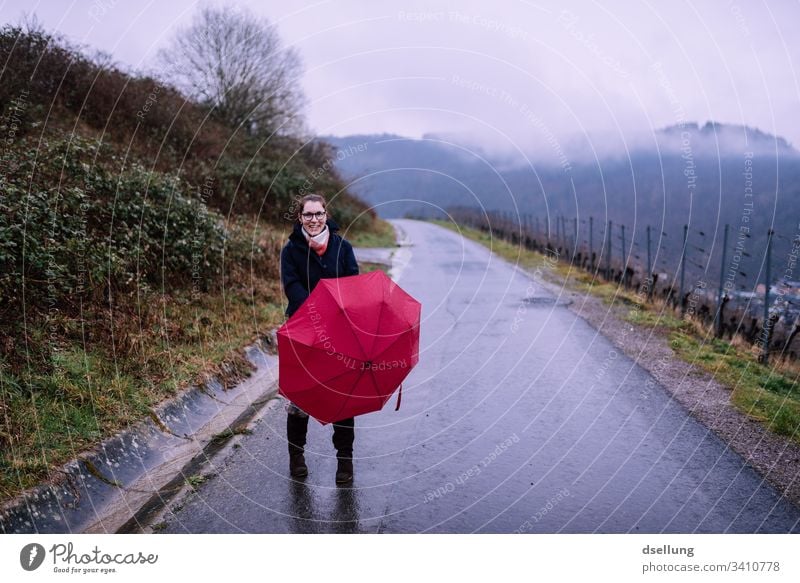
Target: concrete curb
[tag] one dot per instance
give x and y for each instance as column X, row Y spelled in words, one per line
column 130, row 473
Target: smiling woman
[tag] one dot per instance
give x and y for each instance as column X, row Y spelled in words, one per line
column 315, row 251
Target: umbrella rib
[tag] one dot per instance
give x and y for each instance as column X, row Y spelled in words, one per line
column 350, row 396
column 319, row 349
column 344, row 402
column 375, row 384
column 324, row 350
column 377, row 327
column 334, row 378
column 350, row 325
column 395, row 341
column 347, row 395
column 348, row 371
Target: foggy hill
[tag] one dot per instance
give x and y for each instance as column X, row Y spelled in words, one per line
column 703, row 176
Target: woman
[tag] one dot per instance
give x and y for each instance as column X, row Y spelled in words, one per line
column 315, row 251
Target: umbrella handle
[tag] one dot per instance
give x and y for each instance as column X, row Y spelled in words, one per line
column 399, row 394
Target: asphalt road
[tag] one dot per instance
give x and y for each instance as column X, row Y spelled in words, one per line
column 520, row 417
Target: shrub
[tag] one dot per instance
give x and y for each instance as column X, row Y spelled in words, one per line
column 76, row 236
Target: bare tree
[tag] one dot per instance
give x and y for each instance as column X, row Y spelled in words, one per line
column 235, row 62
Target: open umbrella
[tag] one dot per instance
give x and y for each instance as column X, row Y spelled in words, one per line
column 349, row 346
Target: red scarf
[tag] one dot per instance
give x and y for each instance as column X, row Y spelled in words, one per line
column 319, row 242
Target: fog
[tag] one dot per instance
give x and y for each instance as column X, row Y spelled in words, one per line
column 556, row 81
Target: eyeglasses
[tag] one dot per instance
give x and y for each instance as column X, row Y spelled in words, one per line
column 308, row 216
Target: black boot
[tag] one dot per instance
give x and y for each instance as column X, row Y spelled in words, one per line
column 296, row 428
column 297, row 465
column 344, row 471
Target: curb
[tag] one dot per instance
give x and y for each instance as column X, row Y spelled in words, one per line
column 137, row 471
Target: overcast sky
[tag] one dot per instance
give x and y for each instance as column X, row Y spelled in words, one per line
column 513, row 73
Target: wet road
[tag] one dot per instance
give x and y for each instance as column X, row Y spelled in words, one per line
column 520, row 417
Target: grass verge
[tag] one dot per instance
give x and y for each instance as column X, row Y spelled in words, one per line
column 381, row 234
column 367, row 266
column 89, row 394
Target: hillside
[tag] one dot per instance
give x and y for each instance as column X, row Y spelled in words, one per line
column 139, row 245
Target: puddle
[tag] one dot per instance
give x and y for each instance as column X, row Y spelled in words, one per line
column 546, row 302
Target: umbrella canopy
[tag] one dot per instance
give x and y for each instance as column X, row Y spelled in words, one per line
column 349, row 346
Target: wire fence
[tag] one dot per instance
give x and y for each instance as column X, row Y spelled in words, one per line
column 679, row 272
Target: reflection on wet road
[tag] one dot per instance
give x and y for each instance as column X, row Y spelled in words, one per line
column 520, row 417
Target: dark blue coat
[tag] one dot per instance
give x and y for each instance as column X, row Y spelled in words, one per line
column 302, row 268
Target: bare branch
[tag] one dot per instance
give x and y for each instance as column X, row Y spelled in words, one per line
column 235, row 63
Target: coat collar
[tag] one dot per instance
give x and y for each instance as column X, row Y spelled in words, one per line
column 297, row 233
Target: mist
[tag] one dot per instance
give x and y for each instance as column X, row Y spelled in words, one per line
column 512, row 79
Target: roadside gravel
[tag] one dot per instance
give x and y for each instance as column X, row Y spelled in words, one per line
column 775, row 458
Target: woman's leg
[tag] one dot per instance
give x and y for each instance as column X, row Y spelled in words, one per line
column 343, row 437
column 296, row 430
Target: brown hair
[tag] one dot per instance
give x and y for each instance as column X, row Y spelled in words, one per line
column 311, row 198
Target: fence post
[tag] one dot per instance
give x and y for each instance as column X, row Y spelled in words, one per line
column 568, row 236
column 567, row 239
column 547, row 231
column 683, row 270
column 608, row 253
column 649, row 268
column 718, row 314
column 525, row 231
column 575, row 237
column 559, row 244
column 767, row 329
column 624, row 260
column 591, row 244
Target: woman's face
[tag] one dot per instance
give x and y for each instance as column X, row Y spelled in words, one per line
column 313, row 224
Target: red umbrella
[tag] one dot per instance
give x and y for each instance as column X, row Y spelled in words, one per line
column 349, row 346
